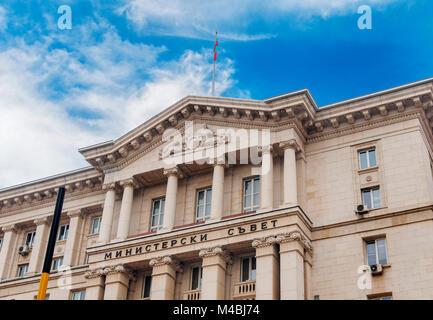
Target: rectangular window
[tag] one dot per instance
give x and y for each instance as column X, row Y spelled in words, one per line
column 157, row 214
column 147, row 282
column 57, row 262
column 380, row 297
column 251, row 194
column 196, row 276
column 371, row 198
column 204, row 198
column 248, row 269
column 63, row 232
column 367, row 159
column 79, row 295
column 376, row 251
column 22, row 270
column 1, row 242
column 30, row 238
column 96, row 225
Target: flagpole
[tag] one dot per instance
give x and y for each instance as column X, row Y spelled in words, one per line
column 213, row 74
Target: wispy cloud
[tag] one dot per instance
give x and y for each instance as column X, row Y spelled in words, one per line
column 234, row 19
column 3, row 19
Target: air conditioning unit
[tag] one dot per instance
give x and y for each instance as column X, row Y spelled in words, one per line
column 376, row 269
column 361, row 209
column 24, row 250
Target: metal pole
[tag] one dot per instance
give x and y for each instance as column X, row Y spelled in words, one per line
column 213, row 75
column 51, row 244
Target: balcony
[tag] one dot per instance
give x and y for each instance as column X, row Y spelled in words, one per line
column 192, row 294
column 245, row 290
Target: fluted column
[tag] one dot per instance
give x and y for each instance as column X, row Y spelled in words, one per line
column 267, row 279
column 95, row 284
column 308, row 266
column 9, row 239
column 39, row 246
column 164, row 277
column 290, row 189
column 170, row 198
column 214, row 272
column 217, row 203
column 267, row 179
column 71, row 248
column 125, row 209
column 117, row 282
column 107, row 213
column 292, row 277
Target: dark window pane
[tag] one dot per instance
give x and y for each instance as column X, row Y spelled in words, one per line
column 195, row 278
column 372, row 157
column 253, row 268
column 371, row 253
column 245, row 269
column 146, row 289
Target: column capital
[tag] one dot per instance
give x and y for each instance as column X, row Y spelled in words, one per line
column 94, row 273
column 266, row 149
column 109, row 186
column 295, row 236
column 119, row 268
column 75, row 213
column 174, row 171
column 264, row 242
column 216, row 251
column 129, row 182
column 166, row 260
column 292, row 144
column 41, row 221
column 10, row 227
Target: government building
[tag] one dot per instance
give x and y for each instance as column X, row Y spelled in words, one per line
column 220, row 198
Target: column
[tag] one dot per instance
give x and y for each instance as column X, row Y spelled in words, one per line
column 71, row 248
column 107, row 213
column 267, row 273
column 117, row 282
column 217, row 203
column 292, row 266
column 214, row 273
column 267, row 178
column 9, row 239
column 163, row 277
column 95, row 284
column 125, row 209
column 170, row 198
column 308, row 266
column 39, row 246
column 290, row 189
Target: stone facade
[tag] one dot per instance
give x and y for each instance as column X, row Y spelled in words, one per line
column 151, row 219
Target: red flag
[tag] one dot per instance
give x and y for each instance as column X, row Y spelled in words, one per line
column 215, row 50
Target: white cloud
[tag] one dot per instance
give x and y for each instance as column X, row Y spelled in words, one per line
column 46, row 95
column 198, row 19
column 3, row 19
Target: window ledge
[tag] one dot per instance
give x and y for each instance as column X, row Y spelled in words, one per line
column 366, row 170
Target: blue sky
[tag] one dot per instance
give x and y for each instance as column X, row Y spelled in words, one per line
column 124, row 61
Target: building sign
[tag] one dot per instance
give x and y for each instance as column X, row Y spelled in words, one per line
column 186, row 240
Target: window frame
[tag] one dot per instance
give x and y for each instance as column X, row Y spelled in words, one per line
column 65, row 235
column 160, row 224
column 20, row 266
column 80, row 292
column 375, row 240
column 143, row 287
column 58, row 266
column 251, row 208
column 200, row 277
column 99, row 218
column 32, row 238
column 371, row 192
column 205, row 190
column 367, row 151
column 250, row 268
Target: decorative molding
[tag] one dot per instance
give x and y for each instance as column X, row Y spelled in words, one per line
column 119, row 268
column 264, row 242
column 94, row 273
column 290, row 144
column 216, row 251
column 10, row 227
column 166, row 260
column 41, row 221
column 295, row 236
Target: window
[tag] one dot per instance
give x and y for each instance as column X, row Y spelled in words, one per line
column 57, row 262
column 376, row 251
column 96, row 225
column 79, row 295
column 367, row 159
column 63, row 232
column 386, row 296
column 371, row 198
column 22, row 270
column 1, row 242
column 30, row 238
column 251, row 194
column 196, row 277
column 248, row 269
column 157, row 214
column 47, row 297
column 204, row 198
column 147, row 282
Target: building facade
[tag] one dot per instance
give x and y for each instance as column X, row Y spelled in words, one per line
column 218, row 198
